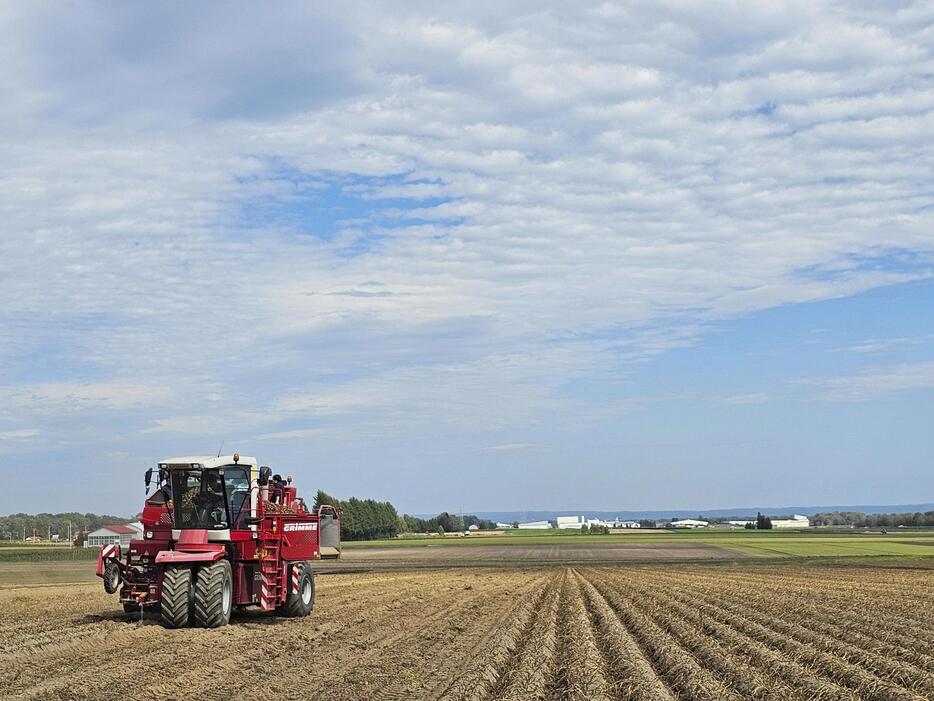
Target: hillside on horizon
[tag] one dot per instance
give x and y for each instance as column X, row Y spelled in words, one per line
column 772, row 511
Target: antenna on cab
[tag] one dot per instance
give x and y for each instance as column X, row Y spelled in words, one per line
column 220, row 449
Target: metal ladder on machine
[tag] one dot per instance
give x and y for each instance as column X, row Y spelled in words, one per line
column 270, row 567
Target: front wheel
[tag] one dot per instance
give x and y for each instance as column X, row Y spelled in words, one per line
column 214, row 595
column 112, row 576
column 301, row 597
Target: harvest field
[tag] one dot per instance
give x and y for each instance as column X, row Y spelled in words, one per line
column 648, row 632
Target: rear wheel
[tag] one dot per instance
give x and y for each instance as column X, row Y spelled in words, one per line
column 214, row 595
column 174, row 604
column 112, row 576
column 301, row 600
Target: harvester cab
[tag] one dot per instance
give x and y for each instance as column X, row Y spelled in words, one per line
column 222, row 532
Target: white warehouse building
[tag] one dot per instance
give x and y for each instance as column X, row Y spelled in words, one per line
column 689, row 523
column 796, row 521
column 536, row 524
column 570, row 521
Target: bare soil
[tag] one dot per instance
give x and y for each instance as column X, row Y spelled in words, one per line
column 652, row 632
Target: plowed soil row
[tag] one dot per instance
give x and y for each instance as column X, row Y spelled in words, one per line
column 608, row 633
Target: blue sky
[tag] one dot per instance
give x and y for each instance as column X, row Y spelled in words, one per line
column 482, row 257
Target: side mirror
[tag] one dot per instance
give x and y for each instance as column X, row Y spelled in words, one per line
column 148, row 479
column 264, row 473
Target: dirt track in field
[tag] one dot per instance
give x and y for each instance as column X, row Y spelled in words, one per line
column 531, row 555
column 372, row 559
column 718, row 633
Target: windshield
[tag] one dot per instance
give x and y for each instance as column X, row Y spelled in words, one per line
column 199, row 499
column 237, row 483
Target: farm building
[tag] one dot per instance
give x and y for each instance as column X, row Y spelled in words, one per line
column 796, row 521
column 626, row 524
column 536, row 524
column 503, row 526
column 570, row 521
column 597, row 522
column 689, row 523
column 114, row 533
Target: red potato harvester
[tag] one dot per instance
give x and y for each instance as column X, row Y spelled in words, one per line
column 221, row 532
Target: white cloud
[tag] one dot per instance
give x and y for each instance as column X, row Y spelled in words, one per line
column 514, row 446
column 881, row 345
column 753, row 398
column 874, row 382
column 20, row 433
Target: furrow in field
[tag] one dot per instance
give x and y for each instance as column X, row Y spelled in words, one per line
column 482, row 677
column 893, row 597
column 898, row 673
column 745, row 679
column 533, row 665
column 631, row 674
column 580, row 671
column 912, row 631
column 671, row 661
column 856, row 616
column 906, row 667
column 770, row 662
column 839, row 670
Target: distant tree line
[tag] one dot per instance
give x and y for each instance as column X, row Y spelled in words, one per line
column 363, row 519
column 860, row 520
column 13, row 527
column 449, row 523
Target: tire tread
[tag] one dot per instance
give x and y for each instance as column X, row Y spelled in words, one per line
column 209, row 595
column 174, row 609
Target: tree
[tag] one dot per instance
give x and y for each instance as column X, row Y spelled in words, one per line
column 763, row 522
column 322, row 497
column 364, row 519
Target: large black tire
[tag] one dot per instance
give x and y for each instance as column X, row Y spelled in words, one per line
column 175, row 602
column 112, row 576
column 214, row 595
column 300, row 603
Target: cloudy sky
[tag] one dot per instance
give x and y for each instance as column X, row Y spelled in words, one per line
column 487, row 256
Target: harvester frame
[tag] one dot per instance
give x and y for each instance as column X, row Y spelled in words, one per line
column 221, row 532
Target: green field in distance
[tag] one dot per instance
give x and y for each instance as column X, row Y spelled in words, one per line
column 812, row 543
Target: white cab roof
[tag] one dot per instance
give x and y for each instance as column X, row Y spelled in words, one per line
column 208, row 461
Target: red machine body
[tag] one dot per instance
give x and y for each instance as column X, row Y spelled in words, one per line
column 234, row 536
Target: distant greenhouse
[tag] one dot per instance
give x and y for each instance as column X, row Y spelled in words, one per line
column 689, row 523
